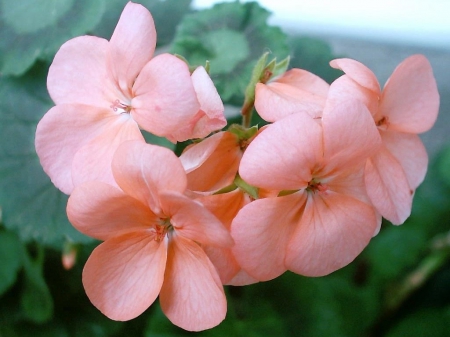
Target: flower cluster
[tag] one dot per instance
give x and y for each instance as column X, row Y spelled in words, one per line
column 305, row 193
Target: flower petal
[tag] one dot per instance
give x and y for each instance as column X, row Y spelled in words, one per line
column 92, row 162
column 165, row 99
column 192, row 295
column 387, row 187
column 213, row 163
column 144, row 170
column 123, row 275
column 410, row 97
column 409, row 150
column 275, row 101
column 225, row 207
column 349, row 134
column 261, row 232
column 132, row 45
column 79, row 73
column 192, row 220
column 283, row 156
column 210, row 117
column 62, row 131
column 333, row 230
column 103, row 211
column 358, row 72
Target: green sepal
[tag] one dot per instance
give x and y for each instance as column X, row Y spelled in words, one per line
column 286, row 192
column 242, row 132
column 247, row 188
column 226, row 189
column 281, row 67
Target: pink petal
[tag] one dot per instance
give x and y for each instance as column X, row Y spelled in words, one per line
column 210, row 117
column 79, row 73
column 358, row 72
column 333, row 230
column 242, row 279
column 410, row 152
column 275, row 101
column 387, row 187
column 132, row 45
column 192, row 295
column 213, row 163
column 123, row 276
column 192, row 220
column 349, row 134
column 261, row 232
column 283, row 156
column 92, row 162
column 225, row 207
column 103, row 211
column 62, row 131
column 303, row 80
column 143, row 171
column 344, row 88
column 410, row 97
column 165, row 99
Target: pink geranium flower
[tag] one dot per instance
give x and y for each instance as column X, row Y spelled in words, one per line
column 408, row 105
column 153, row 236
column 105, row 90
column 322, row 219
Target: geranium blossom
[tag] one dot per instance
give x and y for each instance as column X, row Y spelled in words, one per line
column 105, row 90
column 323, row 219
column 153, row 235
column 407, row 105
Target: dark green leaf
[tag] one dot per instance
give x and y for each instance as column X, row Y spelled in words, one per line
column 232, row 36
column 31, row 205
column 11, row 254
column 35, row 31
column 313, row 55
column 36, row 300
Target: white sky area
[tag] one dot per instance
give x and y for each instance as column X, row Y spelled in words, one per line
column 414, row 22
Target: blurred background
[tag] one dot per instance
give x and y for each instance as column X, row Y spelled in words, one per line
column 399, row 286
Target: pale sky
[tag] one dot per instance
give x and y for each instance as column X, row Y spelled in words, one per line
column 417, row 22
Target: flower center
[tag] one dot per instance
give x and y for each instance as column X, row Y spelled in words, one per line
column 118, row 106
column 315, row 186
column 383, row 123
column 161, row 228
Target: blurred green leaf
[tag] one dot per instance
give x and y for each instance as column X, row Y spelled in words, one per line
column 166, row 14
column 11, row 255
column 29, row 32
column 313, row 55
column 36, row 300
column 161, row 141
column 232, row 36
column 31, row 205
column 424, row 323
column 444, row 165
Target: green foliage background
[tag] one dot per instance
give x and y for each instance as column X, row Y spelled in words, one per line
column 399, row 286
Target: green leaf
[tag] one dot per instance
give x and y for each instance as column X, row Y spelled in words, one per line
column 155, row 140
column 31, row 205
column 11, row 254
column 36, row 300
column 29, row 32
column 444, row 165
column 313, row 55
column 424, row 323
column 232, row 36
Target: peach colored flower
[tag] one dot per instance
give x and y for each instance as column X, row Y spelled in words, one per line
column 408, row 105
column 297, row 90
column 323, row 219
column 153, row 236
column 105, row 90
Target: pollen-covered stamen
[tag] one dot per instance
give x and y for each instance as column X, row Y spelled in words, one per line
column 161, row 228
column 315, row 186
column 118, row 106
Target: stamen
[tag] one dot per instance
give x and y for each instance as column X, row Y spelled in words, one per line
column 383, row 123
column 161, row 228
column 314, row 186
column 119, row 106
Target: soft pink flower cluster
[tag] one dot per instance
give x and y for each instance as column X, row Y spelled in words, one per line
column 305, row 193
